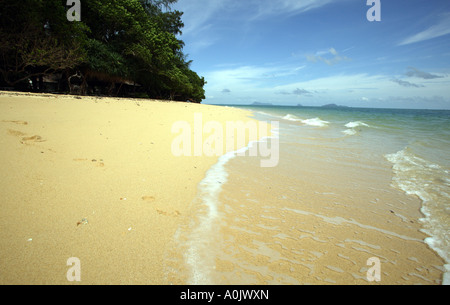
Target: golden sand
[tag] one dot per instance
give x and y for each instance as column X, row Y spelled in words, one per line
column 323, row 228
column 93, row 178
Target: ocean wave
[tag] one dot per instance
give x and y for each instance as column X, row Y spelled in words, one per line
column 353, row 128
column 356, row 124
column 291, row 117
column 349, row 132
column 263, row 113
column 417, row 176
column 317, row 122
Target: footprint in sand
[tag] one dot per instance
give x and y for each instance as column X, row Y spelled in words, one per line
column 32, row 139
column 25, row 140
column 161, row 212
column 173, row 214
column 94, row 161
column 16, row 122
column 16, row 133
column 98, row 163
column 148, row 198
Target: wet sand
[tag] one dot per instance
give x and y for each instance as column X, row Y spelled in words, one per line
column 319, row 222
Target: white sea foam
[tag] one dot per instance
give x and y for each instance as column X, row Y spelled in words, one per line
column 349, row 132
column 417, row 176
column 200, row 256
column 290, row 117
column 317, row 122
column 197, row 257
column 353, row 128
column 356, row 124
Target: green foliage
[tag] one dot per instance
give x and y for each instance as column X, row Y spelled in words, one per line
column 116, row 42
column 35, row 40
column 102, row 58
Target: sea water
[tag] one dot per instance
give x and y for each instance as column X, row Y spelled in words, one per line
column 415, row 142
column 340, row 157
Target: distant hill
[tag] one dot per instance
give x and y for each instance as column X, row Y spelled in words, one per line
column 333, row 106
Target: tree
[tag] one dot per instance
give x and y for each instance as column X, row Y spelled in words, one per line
column 116, row 42
column 32, row 43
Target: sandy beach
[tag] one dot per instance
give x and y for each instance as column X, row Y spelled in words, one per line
column 143, row 143
column 97, row 179
column 93, row 178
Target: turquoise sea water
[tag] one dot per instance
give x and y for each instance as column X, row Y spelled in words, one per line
column 365, row 160
column 415, row 143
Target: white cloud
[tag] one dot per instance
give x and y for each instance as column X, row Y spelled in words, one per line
column 440, row 29
column 244, row 77
column 201, row 43
column 291, row 7
column 406, row 83
column 359, row 89
column 324, row 56
column 414, row 72
column 340, row 83
column 198, row 13
column 271, row 8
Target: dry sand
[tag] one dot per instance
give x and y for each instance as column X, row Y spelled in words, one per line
column 93, row 178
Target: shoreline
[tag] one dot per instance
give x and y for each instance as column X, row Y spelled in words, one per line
column 94, row 178
column 197, row 238
column 304, row 225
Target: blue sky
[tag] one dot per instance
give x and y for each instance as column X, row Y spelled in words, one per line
column 316, row 52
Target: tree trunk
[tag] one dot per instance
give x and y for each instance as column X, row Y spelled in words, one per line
column 111, row 89
column 118, row 90
column 84, row 85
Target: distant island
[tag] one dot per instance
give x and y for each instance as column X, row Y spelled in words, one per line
column 334, row 106
column 261, row 104
column 329, row 106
